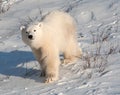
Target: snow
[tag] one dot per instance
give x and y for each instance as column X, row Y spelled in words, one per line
column 19, row 71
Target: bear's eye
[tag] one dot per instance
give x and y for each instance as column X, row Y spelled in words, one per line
column 34, row 30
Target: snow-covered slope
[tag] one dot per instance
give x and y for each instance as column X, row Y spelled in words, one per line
column 96, row 73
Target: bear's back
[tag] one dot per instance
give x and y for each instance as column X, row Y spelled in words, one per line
column 58, row 17
column 60, row 26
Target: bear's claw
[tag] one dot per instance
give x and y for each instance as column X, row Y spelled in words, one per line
column 50, row 78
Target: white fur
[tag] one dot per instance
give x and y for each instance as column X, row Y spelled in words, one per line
column 54, row 34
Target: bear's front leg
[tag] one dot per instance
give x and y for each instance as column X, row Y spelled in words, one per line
column 51, row 74
column 38, row 55
column 52, row 69
column 51, row 63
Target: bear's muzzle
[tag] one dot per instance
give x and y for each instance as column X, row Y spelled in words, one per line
column 30, row 37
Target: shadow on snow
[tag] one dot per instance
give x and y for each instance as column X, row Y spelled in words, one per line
column 9, row 62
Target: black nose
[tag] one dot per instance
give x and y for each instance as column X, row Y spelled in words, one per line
column 30, row 36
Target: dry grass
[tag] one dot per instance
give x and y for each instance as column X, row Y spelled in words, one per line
column 28, row 19
column 104, row 46
column 3, row 7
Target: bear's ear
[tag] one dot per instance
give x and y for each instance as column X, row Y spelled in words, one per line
column 40, row 24
column 22, row 28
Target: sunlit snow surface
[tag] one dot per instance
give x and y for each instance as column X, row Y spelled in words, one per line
column 19, row 71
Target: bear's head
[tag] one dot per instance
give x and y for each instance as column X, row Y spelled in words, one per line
column 32, row 34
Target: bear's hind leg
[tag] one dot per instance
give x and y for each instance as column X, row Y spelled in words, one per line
column 72, row 53
column 69, row 60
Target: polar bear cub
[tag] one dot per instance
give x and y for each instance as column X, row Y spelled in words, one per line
column 54, row 34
